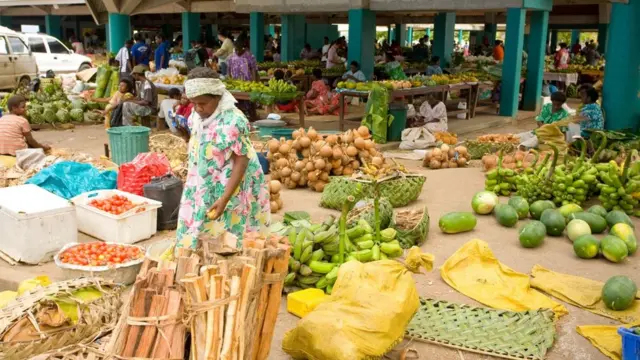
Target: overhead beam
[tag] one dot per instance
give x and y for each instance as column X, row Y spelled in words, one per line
column 94, row 12
column 128, row 6
column 4, row 3
column 111, row 6
column 41, row 9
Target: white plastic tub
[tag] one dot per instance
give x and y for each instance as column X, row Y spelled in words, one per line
column 126, row 228
column 34, row 223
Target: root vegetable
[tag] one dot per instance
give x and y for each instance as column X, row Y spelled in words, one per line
column 279, row 202
column 336, row 163
column 299, row 165
column 337, row 153
column 296, row 145
column 347, row 138
column 319, row 164
column 285, row 171
column 324, row 176
column 328, row 166
column 453, row 164
column 296, row 134
column 347, row 171
column 368, row 144
column 274, row 207
column 434, row 164
column 275, row 186
column 462, row 161
column 310, row 166
column 338, row 171
column 436, row 153
column 319, row 186
column 355, row 164
column 313, row 176
column 304, row 141
column 295, row 176
column 275, row 175
column 445, row 164
column 332, row 139
column 282, row 162
column 306, row 153
column 445, row 148
column 451, row 153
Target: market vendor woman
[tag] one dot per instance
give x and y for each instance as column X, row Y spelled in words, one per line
column 225, row 188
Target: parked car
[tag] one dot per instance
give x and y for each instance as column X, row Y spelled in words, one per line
column 51, row 54
column 17, row 63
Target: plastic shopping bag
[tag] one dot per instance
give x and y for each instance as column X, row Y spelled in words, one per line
column 69, row 179
column 416, row 138
column 133, row 175
column 366, row 314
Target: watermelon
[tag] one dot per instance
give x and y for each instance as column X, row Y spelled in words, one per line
column 521, row 205
column 625, row 232
column 613, row 248
column 577, row 228
column 619, row 293
column 483, row 202
column 554, row 221
column 598, row 210
column 506, row 215
column 596, row 222
column 618, row 216
column 532, row 234
column 586, row 246
column 539, row 206
column 569, row 209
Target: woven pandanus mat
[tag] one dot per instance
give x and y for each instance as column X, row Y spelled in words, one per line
column 500, row 333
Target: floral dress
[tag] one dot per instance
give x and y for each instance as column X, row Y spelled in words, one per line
column 210, row 167
column 547, row 116
column 324, row 100
column 595, row 118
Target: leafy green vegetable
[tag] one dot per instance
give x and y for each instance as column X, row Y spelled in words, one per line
column 290, row 216
column 377, row 117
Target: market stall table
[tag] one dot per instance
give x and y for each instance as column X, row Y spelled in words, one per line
column 475, row 104
column 567, row 78
column 245, row 96
column 460, row 87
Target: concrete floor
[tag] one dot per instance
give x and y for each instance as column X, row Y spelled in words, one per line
column 445, row 190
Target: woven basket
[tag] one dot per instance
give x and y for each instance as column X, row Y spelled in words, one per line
column 500, row 333
column 94, row 319
column 409, row 236
column 366, row 212
column 400, row 190
column 477, row 149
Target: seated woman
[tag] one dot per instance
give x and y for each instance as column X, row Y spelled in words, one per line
column 319, row 100
column 591, row 116
column 393, row 68
column 125, row 92
column 553, row 111
column 434, row 66
column 354, row 74
column 434, row 114
column 15, row 132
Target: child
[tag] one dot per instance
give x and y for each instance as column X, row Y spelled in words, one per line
column 182, row 111
column 15, row 132
column 166, row 105
column 125, row 92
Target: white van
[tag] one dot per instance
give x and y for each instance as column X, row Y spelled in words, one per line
column 17, row 63
column 51, row 54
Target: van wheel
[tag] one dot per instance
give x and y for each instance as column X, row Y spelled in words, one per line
column 24, row 81
column 84, row 66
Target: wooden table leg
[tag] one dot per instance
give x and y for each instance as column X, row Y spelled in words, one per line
column 341, row 118
column 469, row 103
column 302, row 109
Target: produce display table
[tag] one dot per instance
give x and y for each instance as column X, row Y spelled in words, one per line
column 302, row 81
column 460, row 87
column 245, row 96
column 567, row 78
column 476, row 104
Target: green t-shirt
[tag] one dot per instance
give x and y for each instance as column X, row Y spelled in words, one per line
column 547, row 116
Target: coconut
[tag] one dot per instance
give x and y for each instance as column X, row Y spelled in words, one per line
column 368, row 144
column 352, row 151
column 304, row 141
column 274, row 186
column 434, row 164
column 286, row 171
column 273, row 145
column 377, row 161
column 306, row 153
column 326, row 151
column 310, row 166
column 359, row 143
column 363, row 131
column 324, row 176
column 284, row 149
column 332, row 139
column 319, row 186
column 312, row 133
column 274, row 207
column 337, row 153
column 282, row 162
column 319, row 164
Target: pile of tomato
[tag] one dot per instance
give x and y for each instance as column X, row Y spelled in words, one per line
column 116, row 204
column 100, row 254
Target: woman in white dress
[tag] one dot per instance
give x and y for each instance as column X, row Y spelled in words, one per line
column 434, row 114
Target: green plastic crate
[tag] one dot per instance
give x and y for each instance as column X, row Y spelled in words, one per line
column 126, row 142
column 399, row 113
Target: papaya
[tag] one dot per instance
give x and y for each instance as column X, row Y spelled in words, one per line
column 506, row 215
column 626, row 234
column 457, row 222
column 586, row 246
column 532, row 234
column 618, row 216
column 569, row 209
column 598, row 210
column 596, row 222
column 539, row 206
column 553, row 221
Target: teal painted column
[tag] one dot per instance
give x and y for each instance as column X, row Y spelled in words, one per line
column 459, row 36
column 575, row 37
column 535, row 62
column 621, row 90
column 512, row 62
column 5, row 21
column 389, row 34
column 190, row 29
column 554, row 41
column 603, row 29
column 445, row 24
column 53, row 26
column 118, row 31
column 525, row 43
column 428, row 32
column 401, row 34
column 490, row 31
column 272, row 30
column 409, row 36
column 256, row 25
column 362, row 33
column 293, row 36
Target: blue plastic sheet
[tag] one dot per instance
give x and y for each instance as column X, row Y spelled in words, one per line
column 69, row 179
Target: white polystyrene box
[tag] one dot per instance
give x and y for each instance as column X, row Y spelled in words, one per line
column 34, row 223
column 126, row 228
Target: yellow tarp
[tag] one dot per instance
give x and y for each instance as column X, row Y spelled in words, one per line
column 605, row 338
column 581, row 292
column 474, row 271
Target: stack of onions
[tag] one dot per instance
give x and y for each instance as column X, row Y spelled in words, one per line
column 283, row 163
column 446, row 157
column 274, row 190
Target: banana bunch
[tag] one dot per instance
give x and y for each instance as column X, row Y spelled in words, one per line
column 281, row 86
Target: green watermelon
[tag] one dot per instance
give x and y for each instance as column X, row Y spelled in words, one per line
column 532, row 234
column 554, row 221
column 577, row 228
column 483, row 202
column 613, row 248
column 598, row 210
column 619, row 293
column 586, row 246
column 625, row 232
column 521, row 205
column 596, row 222
column 506, row 215
column 539, row 206
column 618, row 216
column 569, row 209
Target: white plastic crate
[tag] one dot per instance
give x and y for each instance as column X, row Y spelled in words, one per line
column 126, row 228
column 34, row 223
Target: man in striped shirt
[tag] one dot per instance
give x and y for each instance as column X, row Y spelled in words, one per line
column 15, row 131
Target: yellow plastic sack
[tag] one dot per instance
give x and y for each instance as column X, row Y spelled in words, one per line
column 366, row 314
column 581, row 292
column 33, row 283
column 605, row 338
column 474, row 271
column 551, row 134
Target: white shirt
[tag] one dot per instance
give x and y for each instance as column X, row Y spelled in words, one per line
column 165, row 106
column 438, row 113
column 123, row 58
column 325, row 50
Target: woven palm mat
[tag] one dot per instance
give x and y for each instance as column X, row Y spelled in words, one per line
column 500, row 333
column 94, row 318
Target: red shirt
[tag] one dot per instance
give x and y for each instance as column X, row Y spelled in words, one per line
column 185, row 110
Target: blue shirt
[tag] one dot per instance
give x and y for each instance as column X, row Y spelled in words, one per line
column 141, row 53
column 162, row 49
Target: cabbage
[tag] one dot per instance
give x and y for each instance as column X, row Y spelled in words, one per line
column 63, row 116
column 35, row 108
column 76, row 114
column 36, row 118
column 77, row 104
column 48, row 115
column 92, row 116
column 62, row 104
column 91, row 105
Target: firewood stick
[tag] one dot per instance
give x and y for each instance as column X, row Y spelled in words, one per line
column 177, row 342
column 218, row 316
column 246, row 286
column 271, row 313
column 252, row 316
column 262, row 306
column 229, row 326
column 196, row 290
column 163, row 346
column 208, row 272
column 148, row 336
column 139, row 309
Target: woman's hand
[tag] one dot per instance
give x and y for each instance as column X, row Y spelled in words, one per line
column 216, row 210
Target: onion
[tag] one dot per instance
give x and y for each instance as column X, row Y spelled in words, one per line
column 359, row 143
column 312, row 176
column 303, row 181
column 319, row 164
column 508, row 159
column 295, row 134
column 275, row 175
column 296, row 145
column 275, row 196
column 284, row 149
column 286, row 171
column 352, row 151
column 451, row 153
column 444, row 148
column 295, row 176
column 290, row 184
column 304, row 141
column 312, row 133
column 279, row 201
column 332, row 139
column 274, row 186
column 346, row 159
column 306, row 153
column 377, row 161
column 337, row 153
column 310, row 166
column 282, row 162
column 336, row 163
column 445, row 165
column 326, row 151
column 519, row 156
column 328, row 166
column 355, row 164
column 368, row 144
column 270, row 156
column 320, row 186
column 373, row 151
column 363, row 131
column 436, row 153
column 274, row 145
column 324, row 176
column 299, row 165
